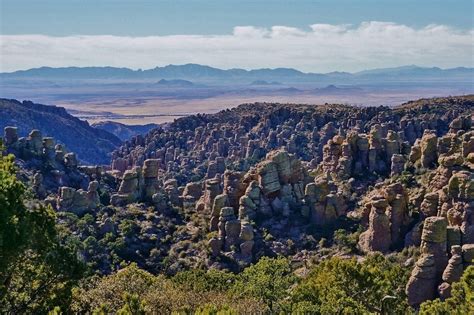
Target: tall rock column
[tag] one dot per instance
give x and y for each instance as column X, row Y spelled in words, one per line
column 11, row 135
column 429, row 153
column 433, row 241
column 424, row 279
column 452, row 273
column 378, row 235
column 150, row 177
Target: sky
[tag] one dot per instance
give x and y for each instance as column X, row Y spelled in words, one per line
column 312, row 36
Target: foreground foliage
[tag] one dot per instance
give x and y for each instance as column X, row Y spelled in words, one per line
column 186, row 292
column 347, row 286
column 37, row 272
column 335, row 285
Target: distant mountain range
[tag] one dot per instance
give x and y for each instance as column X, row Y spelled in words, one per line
column 197, row 73
column 335, row 90
column 175, row 83
column 263, row 83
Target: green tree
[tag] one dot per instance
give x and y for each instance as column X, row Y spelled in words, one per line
column 269, row 280
column 37, row 272
column 108, row 292
column 200, row 280
column 132, row 305
column 461, row 300
column 15, row 219
column 345, row 286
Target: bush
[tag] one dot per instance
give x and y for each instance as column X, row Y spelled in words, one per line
column 200, row 280
column 268, row 280
column 348, row 241
column 338, row 286
column 461, row 300
column 37, row 271
column 133, row 290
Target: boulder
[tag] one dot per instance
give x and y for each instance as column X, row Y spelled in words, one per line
column 268, row 177
column 428, row 145
column 434, row 230
column 10, row 135
column 422, row 285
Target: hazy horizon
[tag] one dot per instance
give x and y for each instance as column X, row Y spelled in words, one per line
column 246, row 69
column 323, row 48
column 311, row 36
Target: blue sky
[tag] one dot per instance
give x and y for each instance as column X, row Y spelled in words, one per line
column 313, row 36
column 154, row 17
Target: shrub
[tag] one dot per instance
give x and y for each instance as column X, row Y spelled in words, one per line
column 461, row 300
column 338, row 286
column 268, row 280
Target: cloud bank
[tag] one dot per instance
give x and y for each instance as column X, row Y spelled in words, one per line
column 320, row 48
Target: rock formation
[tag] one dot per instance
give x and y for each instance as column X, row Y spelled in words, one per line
column 385, row 213
column 78, row 201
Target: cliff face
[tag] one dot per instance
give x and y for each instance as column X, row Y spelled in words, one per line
column 91, row 145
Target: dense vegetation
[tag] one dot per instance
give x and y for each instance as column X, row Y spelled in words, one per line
column 37, row 271
column 332, row 286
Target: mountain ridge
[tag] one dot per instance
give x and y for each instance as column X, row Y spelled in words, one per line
column 91, row 144
column 191, row 70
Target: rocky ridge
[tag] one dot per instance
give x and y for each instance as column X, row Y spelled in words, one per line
column 91, row 145
column 268, row 179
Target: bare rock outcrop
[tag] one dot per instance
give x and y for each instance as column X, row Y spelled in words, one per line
column 79, row 201
column 378, row 236
column 423, row 281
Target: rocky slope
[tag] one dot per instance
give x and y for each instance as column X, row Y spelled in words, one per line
column 92, row 146
column 223, row 190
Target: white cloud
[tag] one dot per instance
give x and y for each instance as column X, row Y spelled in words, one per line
column 320, row 48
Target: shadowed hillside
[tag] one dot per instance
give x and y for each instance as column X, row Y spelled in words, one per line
column 91, row 145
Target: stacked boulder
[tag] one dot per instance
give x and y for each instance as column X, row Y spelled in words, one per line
column 277, row 187
column 36, row 146
column 274, row 187
column 385, row 213
column 130, row 189
column 235, row 236
column 10, row 135
column 381, row 151
column 452, row 273
column 141, row 185
column 324, row 201
column 447, row 206
column 212, row 187
column 150, row 178
column 377, row 237
column 36, row 151
column 203, row 145
column 427, row 282
column 190, row 195
column 78, row 201
column 423, row 282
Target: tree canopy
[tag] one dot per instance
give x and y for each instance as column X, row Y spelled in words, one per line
column 37, row 271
